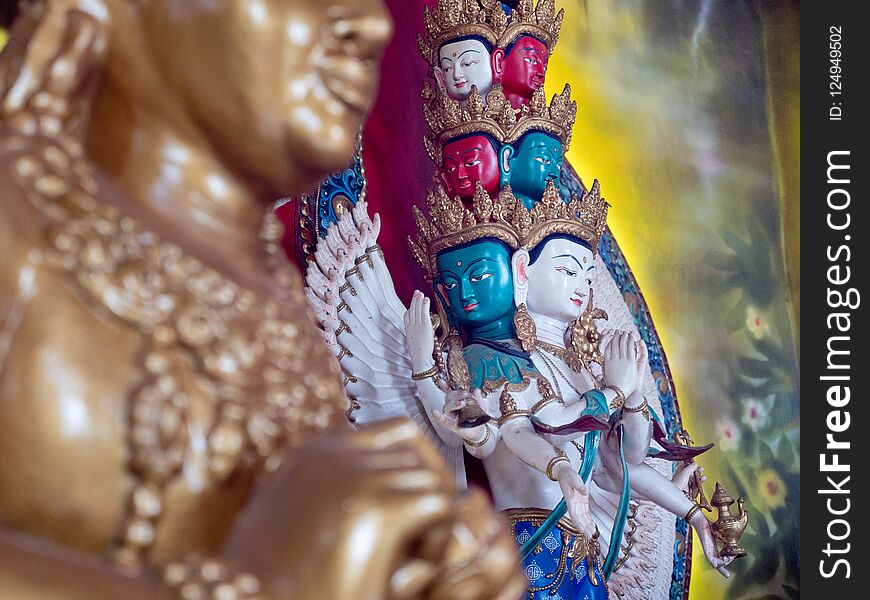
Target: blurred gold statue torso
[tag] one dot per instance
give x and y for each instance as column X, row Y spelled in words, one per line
column 166, row 403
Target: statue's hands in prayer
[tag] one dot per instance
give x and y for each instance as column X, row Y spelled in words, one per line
column 620, row 366
column 455, row 401
column 708, row 543
column 419, row 334
column 371, row 514
column 576, row 497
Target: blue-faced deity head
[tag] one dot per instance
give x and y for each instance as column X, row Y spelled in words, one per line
column 529, row 163
column 475, row 286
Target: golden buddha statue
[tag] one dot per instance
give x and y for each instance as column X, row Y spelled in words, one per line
column 172, row 425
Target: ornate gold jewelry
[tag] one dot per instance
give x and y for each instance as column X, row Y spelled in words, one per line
column 560, row 457
column 643, row 407
column 692, row 511
column 451, row 224
column 619, row 401
column 485, row 439
column 349, row 379
column 344, row 352
column 431, row 372
column 447, row 119
column 364, row 258
column 524, row 326
column 342, row 327
column 568, row 357
column 584, row 337
column 345, row 287
column 354, row 270
column 457, row 368
column 375, row 248
column 210, row 580
column 342, row 306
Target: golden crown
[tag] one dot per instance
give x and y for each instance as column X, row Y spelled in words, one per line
column 451, row 19
column 540, row 21
column 585, row 218
column 504, row 218
column 452, row 224
column 446, row 119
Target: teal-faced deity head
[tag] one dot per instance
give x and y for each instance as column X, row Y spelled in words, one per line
column 475, row 286
column 529, row 163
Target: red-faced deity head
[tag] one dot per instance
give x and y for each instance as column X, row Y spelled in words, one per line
column 467, row 160
column 524, row 67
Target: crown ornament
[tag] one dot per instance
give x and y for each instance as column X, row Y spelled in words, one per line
column 447, row 119
column 538, row 20
column 585, row 218
column 451, row 19
column 505, row 218
column 451, row 224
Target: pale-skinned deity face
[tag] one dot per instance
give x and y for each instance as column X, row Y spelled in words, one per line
column 467, row 161
column 462, row 64
column 283, row 86
column 559, row 279
column 525, row 66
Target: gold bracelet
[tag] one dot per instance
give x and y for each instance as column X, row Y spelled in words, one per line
column 344, row 352
column 560, row 457
column 643, row 407
column 342, row 328
column 692, row 512
column 365, row 258
column 620, row 397
column 345, row 287
column 485, row 439
column 341, row 306
column 375, row 248
column 354, row 270
column 430, row 372
column 349, row 379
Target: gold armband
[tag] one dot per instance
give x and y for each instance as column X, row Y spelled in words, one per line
column 620, row 397
column 485, row 439
column 560, row 457
column 643, row 407
column 431, row 372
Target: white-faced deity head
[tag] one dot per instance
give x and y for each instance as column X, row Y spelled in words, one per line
column 555, row 278
column 462, row 63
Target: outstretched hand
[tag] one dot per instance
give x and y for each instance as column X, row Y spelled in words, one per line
column 576, row 497
column 708, row 543
column 419, row 334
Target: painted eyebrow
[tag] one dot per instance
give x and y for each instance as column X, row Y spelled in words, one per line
column 471, row 264
column 572, row 257
column 475, row 149
column 464, row 52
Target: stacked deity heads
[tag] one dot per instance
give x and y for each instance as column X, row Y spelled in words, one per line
column 480, row 258
column 498, row 147
column 476, row 43
column 493, row 144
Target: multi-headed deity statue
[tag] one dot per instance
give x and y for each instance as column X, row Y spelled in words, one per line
column 173, row 426
column 512, row 367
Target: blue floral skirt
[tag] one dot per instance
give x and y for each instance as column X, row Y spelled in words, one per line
column 565, row 565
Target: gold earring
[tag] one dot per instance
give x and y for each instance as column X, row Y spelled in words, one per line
column 585, row 339
column 525, row 328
